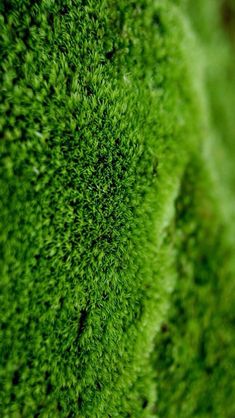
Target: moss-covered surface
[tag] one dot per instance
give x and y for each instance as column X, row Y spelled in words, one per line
column 116, row 202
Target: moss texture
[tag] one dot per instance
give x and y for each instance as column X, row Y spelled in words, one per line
column 116, row 201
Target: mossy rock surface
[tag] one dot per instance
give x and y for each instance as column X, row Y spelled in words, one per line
column 117, row 209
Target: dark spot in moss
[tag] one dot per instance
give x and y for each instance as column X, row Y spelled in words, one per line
column 98, row 386
column 13, row 397
column 59, row 407
column 82, row 321
column 64, row 11
column 157, row 22
column 209, row 370
column 47, row 375
column 50, row 19
column 89, row 91
column 164, row 328
column 228, row 19
column 93, row 16
column 80, row 401
column 16, row 377
column 155, row 167
column 49, row 388
column 47, row 304
column 110, row 54
column 144, row 402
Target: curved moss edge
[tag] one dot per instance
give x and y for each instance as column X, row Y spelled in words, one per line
column 194, row 354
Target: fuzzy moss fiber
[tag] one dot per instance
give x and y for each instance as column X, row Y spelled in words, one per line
column 116, row 202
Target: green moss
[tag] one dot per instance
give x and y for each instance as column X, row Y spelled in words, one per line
column 116, row 210
column 194, row 355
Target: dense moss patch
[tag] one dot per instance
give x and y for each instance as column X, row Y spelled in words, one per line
column 116, row 197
